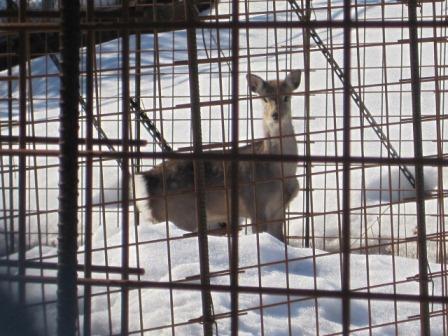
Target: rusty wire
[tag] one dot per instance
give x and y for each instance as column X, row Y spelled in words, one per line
column 23, row 149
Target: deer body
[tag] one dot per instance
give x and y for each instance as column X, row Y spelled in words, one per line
column 265, row 188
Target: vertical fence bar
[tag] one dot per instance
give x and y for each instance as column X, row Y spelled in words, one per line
column 234, row 211
column 67, row 303
column 68, row 169
column 199, row 177
column 10, row 225
column 419, row 179
column 125, row 100
column 22, row 158
column 306, row 66
column 90, row 48
column 135, row 164
column 346, row 232
column 441, row 248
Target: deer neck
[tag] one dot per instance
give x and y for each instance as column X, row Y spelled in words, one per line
column 280, row 139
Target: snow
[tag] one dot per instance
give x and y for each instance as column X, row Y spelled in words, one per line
column 307, row 268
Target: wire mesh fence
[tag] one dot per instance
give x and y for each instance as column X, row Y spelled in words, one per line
column 224, row 167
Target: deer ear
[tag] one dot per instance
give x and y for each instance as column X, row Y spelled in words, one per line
column 256, row 84
column 293, row 79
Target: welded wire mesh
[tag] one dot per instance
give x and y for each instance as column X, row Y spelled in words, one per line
column 165, row 81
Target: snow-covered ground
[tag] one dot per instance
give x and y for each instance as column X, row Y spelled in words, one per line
column 169, row 88
column 307, row 269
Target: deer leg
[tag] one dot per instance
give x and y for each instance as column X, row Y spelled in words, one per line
column 275, row 226
column 276, row 230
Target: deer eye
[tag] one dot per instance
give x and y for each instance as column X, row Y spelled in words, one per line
column 286, row 99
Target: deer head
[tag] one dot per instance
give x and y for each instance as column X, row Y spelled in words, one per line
column 276, row 97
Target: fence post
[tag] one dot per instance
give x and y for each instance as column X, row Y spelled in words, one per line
column 68, row 169
column 199, row 174
column 419, row 177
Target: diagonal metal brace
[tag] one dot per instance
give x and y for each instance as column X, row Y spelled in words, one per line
column 149, row 125
column 83, row 104
column 54, row 58
column 355, row 96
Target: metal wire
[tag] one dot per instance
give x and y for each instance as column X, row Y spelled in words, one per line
column 334, row 166
column 68, row 222
column 356, row 98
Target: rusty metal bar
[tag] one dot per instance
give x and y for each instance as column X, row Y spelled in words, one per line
column 222, row 102
column 242, row 269
column 93, row 268
column 53, row 140
column 112, row 10
column 344, row 77
column 442, row 250
column 23, row 37
column 149, row 125
column 54, row 58
column 68, row 184
column 234, row 176
column 346, row 178
column 136, row 164
column 84, row 107
column 426, row 161
column 418, row 153
column 10, row 240
column 134, row 284
column 90, row 54
column 324, row 130
column 125, row 105
column 179, row 25
column 157, row 107
column 199, row 174
column 306, row 65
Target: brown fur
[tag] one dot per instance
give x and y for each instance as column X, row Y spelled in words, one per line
column 265, row 188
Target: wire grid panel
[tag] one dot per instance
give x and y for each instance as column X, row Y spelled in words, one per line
column 284, row 289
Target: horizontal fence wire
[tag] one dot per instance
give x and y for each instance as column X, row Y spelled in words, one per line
column 166, row 85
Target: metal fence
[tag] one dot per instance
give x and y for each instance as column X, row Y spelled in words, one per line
column 94, row 93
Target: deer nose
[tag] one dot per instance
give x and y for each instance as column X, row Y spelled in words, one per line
column 275, row 116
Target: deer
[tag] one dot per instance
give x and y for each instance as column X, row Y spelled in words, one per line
column 165, row 192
